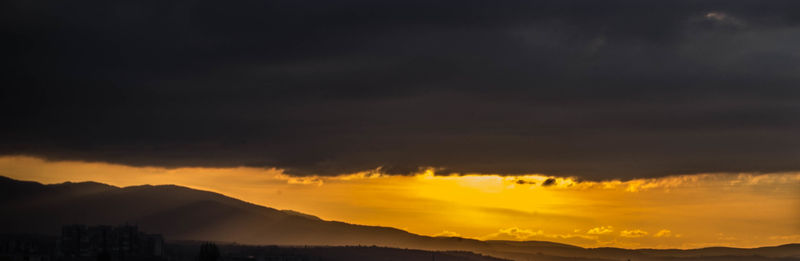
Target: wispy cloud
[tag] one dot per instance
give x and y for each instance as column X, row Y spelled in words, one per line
column 513, row 233
column 633, row 233
column 600, row 230
column 516, row 233
column 446, row 233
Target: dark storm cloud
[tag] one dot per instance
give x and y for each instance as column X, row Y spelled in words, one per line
column 596, row 89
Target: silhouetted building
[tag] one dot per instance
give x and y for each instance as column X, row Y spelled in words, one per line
column 126, row 242
column 208, row 252
column 26, row 248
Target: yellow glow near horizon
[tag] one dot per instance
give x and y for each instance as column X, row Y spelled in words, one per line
column 688, row 211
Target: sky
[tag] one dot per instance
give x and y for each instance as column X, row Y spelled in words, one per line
column 605, row 93
column 688, row 211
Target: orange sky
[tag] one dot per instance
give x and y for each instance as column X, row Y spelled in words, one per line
column 688, row 211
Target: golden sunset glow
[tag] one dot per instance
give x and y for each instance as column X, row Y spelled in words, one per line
column 742, row 209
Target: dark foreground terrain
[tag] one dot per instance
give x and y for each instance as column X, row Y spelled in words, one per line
column 50, row 248
column 188, row 251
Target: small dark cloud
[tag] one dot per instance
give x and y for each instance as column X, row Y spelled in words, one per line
column 615, row 89
column 549, row 182
column 525, row 182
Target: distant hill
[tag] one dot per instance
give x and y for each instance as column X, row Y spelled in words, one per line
column 181, row 213
column 177, row 212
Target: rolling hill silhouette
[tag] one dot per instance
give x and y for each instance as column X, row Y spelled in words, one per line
column 181, row 213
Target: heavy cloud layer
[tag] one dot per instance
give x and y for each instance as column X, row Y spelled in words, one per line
column 596, row 89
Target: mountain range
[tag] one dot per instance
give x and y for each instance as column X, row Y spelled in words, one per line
column 181, row 213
